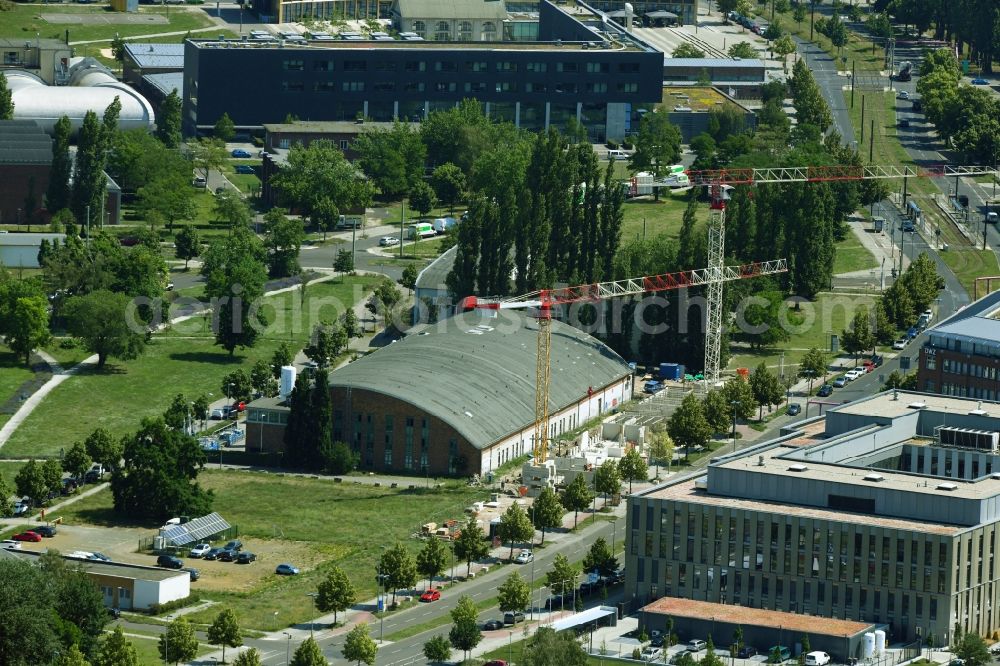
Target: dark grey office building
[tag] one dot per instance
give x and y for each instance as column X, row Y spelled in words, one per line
column 598, row 79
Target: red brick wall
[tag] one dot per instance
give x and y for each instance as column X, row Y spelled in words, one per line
column 16, row 179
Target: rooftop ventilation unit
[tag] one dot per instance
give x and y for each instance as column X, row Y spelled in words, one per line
column 967, row 438
column 797, row 468
column 978, row 411
column 917, row 405
column 874, row 478
column 995, row 476
column 946, row 486
column 701, row 484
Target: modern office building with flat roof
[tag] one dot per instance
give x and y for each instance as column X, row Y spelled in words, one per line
column 884, row 511
column 598, row 78
column 961, row 355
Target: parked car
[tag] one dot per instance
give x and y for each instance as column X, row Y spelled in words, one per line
column 234, row 544
column 286, row 569
column 840, row 382
column 200, row 550
column 228, row 555
column 47, row 531
column 746, row 652
column 493, row 625
column 903, row 95
column 657, row 639
column 904, row 122
column 496, row 662
column 651, row 653
column 10, row 544
column 20, row 509
column 696, row 645
column 100, row 557
column 245, row 169
column 388, row 241
column 794, row 409
column 245, row 557
column 115, row 613
column 524, row 557
column 219, row 413
column 980, row 82
column 193, row 573
column 513, row 617
column 33, row 537
column 432, row 594
column 877, row 360
column 199, row 181
column 817, row 659
column 778, row 654
column 169, row 562
column 900, row 343
column 213, row 554
column 240, row 153
column 824, row 391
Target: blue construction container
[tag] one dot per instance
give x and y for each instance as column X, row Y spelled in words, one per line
column 671, row 371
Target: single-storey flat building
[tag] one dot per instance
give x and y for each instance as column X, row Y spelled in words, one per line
column 21, row 250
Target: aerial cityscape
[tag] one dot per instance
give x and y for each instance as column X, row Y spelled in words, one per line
column 499, row 332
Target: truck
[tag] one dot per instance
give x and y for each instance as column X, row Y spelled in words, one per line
column 905, row 71
column 420, row 230
column 351, row 222
column 443, row 224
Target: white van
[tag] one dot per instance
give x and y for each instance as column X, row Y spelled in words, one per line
column 617, row 154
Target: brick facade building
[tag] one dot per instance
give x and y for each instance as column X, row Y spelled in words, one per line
column 962, row 354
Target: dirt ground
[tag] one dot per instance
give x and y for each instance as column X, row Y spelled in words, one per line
column 120, row 544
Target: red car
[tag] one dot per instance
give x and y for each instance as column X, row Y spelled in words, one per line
column 432, row 594
column 31, row 536
column 496, row 662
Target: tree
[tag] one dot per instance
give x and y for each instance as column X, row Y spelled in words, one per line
column 225, row 130
column 168, row 129
column 76, row 461
column 178, row 643
column 546, row 511
column 225, row 631
column 562, row 575
column 465, row 634
column 513, row 594
column 515, row 526
column 72, row 657
column 158, row 479
column 6, row 99
column 766, row 388
column 249, row 657
column 658, row 144
column 688, row 426
column 308, row 653
column 550, row 648
column 397, row 565
column 898, row 380
column 283, row 241
column 577, row 497
column 328, row 341
column 359, row 646
column 392, row 158
column 116, row 650
column 187, row 244
column 57, row 197
column 335, row 593
column 432, row 559
column 208, row 153
column 449, row 184
column 806, row 649
column 101, row 321
column 24, row 325
column 859, row 337
column 633, row 468
column 737, row 390
column 784, row 46
column 661, row 447
column 810, row 107
column 799, row 13
column 344, row 263
column 409, row 278
column 743, row 50
column 30, row 482
column 607, row 479
column 710, row 658
column 104, row 449
column 282, row 356
column 88, row 174
column 167, row 196
column 600, row 559
column 52, row 473
column 318, row 171
column 236, row 275
column 422, row 198
column 813, row 364
column 339, row 459
column 231, row 209
column 973, row 650
column 686, row 50
column 471, row 544
column 262, row 380
column 437, row 650
column 6, row 493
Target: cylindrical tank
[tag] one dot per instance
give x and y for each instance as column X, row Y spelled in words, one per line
column 879, row 641
column 159, row 543
column 868, row 646
column 287, row 381
column 91, row 87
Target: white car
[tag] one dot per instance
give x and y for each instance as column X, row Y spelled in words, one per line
column 928, row 314
column 854, row 374
column 899, row 344
column 200, row 550
column 524, row 557
column 651, row 653
column 903, row 95
column 817, row 659
column 388, row 241
column 10, row 544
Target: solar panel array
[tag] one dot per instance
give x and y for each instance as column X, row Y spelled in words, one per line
column 195, row 530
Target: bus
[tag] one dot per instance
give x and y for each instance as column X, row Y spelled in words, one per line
column 420, row 230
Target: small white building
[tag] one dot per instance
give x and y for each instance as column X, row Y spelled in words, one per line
column 20, row 250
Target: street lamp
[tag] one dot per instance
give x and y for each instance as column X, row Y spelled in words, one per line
column 313, row 595
column 288, row 646
column 735, row 404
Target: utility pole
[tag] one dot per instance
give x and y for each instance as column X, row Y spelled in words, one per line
column 862, row 120
column 854, row 72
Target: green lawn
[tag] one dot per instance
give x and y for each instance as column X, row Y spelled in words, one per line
column 858, row 50
column 24, row 20
column 652, row 218
column 181, row 360
column 148, row 650
column 345, row 523
column 8, row 470
column 66, row 351
column 247, row 182
column 968, row 264
column 851, row 255
column 13, row 373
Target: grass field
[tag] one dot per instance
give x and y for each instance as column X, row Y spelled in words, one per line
column 66, row 351
column 180, row 360
column 851, row 255
column 8, row 470
column 13, row 373
column 26, row 20
column 247, row 183
column 652, row 218
column 345, row 523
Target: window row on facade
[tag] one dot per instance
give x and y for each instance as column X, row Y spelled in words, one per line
column 473, row 88
column 414, row 66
